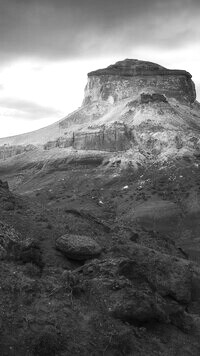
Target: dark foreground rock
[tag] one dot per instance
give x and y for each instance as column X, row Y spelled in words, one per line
column 132, row 292
column 169, row 275
column 78, row 247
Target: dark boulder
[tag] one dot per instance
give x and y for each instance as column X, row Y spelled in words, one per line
column 78, row 247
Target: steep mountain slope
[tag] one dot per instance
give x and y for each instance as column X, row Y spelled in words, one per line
column 122, row 173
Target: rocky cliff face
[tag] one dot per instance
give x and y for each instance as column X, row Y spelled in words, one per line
column 130, row 77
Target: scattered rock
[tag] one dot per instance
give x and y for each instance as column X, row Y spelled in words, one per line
column 78, row 247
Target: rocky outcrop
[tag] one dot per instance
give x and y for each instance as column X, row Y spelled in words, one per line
column 78, row 247
column 130, row 77
column 116, row 137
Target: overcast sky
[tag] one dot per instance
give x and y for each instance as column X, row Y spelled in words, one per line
column 48, row 46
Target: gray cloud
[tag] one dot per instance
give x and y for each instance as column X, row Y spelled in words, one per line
column 74, row 28
column 27, row 110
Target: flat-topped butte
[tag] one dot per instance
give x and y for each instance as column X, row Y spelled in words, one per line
column 131, row 77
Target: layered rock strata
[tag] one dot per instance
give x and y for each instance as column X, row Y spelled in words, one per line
column 130, row 77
